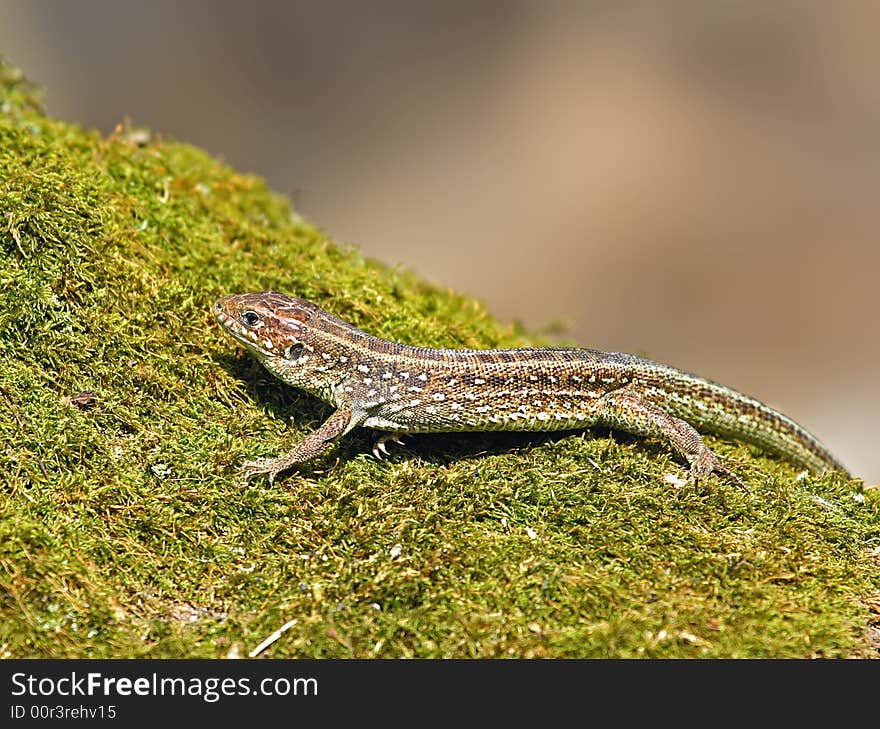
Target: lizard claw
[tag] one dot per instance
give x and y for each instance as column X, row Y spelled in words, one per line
column 706, row 463
column 379, row 447
column 733, row 477
column 269, row 466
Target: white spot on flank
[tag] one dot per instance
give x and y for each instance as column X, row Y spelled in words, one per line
column 451, row 382
column 404, row 375
column 414, row 389
column 532, row 378
column 423, row 377
column 324, row 355
column 479, row 381
column 343, row 358
column 439, row 396
column 348, row 388
column 542, row 416
column 553, row 379
column 386, row 375
column 368, row 380
column 414, row 403
column 432, row 409
column 363, row 368
column 393, row 388
column 592, row 378
column 455, row 406
column 372, row 393
column 268, row 344
column 608, row 380
column 575, row 378
column 470, row 396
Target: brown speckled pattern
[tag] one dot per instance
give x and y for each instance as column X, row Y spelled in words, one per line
column 403, row 389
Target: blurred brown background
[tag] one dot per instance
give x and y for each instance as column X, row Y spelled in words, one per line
column 693, row 181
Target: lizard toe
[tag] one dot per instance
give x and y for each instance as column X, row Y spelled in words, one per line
column 706, row 463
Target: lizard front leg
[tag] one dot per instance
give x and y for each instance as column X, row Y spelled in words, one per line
column 625, row 409
column 312, row 446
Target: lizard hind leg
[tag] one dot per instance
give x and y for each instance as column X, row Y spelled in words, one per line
column 626, row 410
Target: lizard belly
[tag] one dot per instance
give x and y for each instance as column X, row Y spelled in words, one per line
column 482, row 414
column 381, row 423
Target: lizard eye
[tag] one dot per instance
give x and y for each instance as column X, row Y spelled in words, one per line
column 251, row 318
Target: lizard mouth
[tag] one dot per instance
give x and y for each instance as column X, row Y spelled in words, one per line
column 232, row 326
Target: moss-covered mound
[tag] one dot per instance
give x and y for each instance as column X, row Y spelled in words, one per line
column 125, row 412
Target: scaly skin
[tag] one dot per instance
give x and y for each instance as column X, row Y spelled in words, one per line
column 402, row 389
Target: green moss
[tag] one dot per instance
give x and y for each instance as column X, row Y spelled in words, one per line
column 18, row 96
column 125, row 531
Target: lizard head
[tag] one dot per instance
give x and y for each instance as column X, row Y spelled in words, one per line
column 278, row 330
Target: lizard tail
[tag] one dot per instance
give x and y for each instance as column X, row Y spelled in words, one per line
column 744, row 417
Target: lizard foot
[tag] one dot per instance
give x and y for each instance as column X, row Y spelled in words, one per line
column 270, row 466
column 706, row 463
column 379, row 447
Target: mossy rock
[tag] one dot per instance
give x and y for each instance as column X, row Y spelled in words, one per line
column 125, row 530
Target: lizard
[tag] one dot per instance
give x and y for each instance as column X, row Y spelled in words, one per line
column 400, row 389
